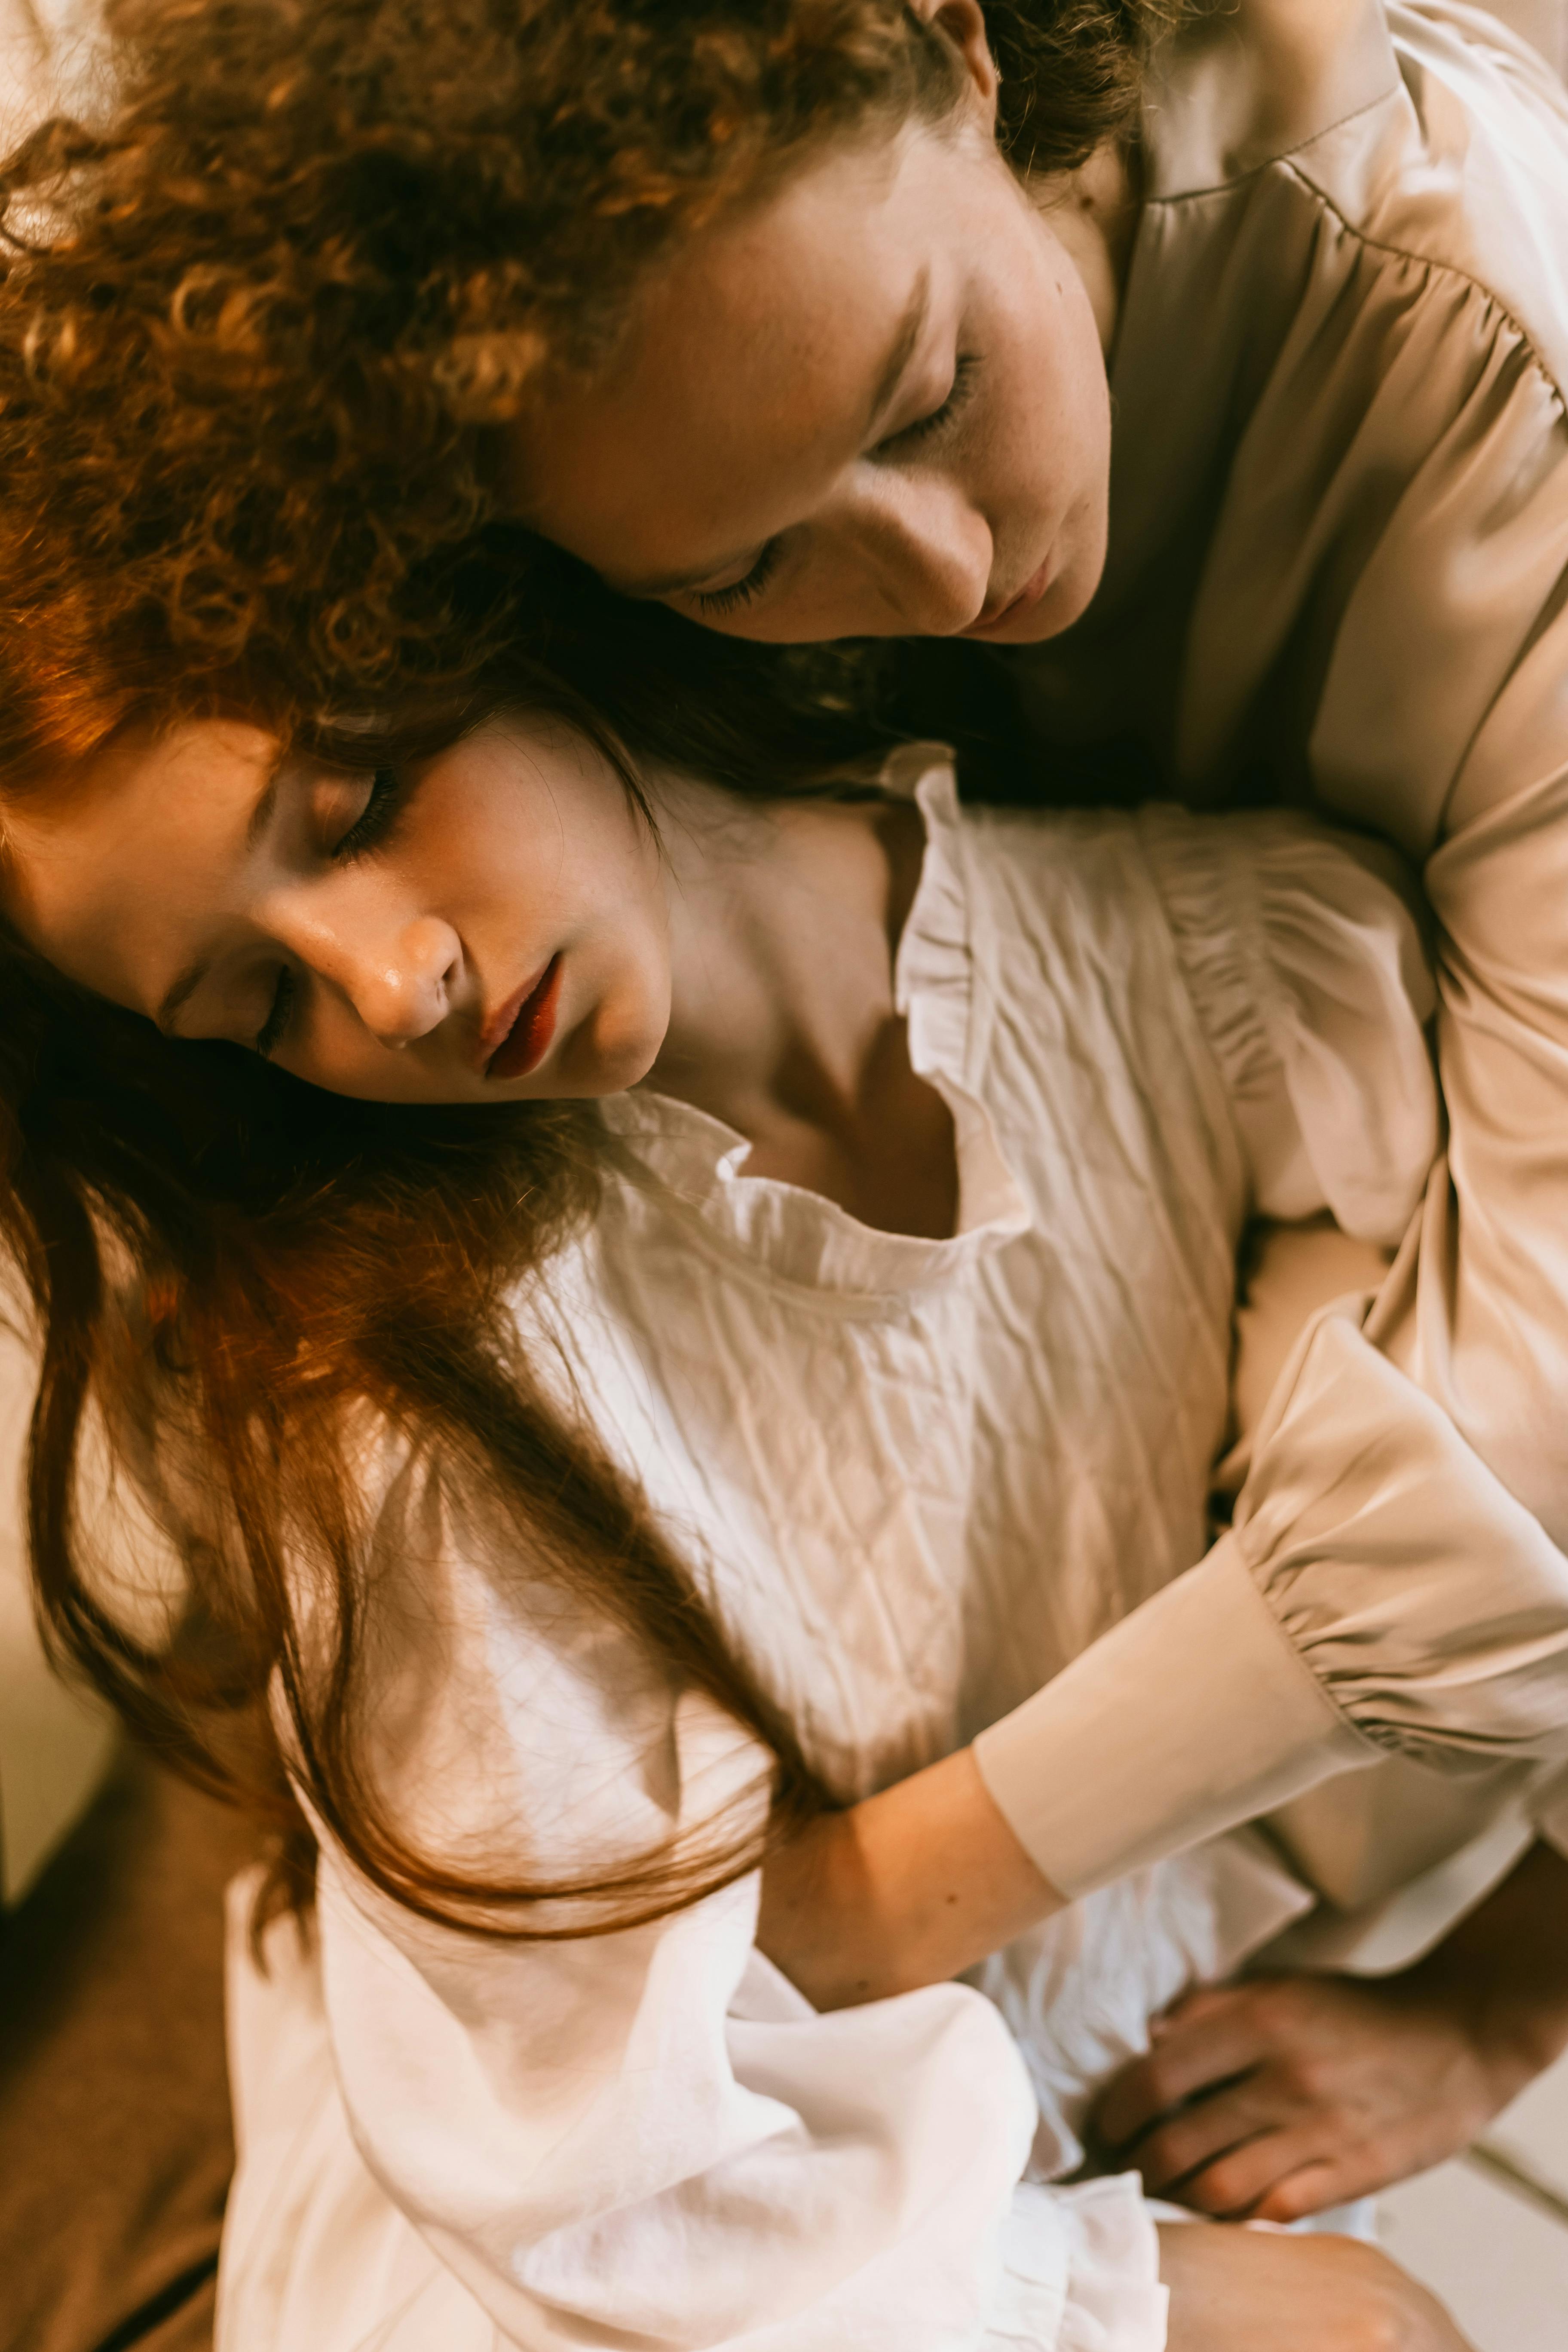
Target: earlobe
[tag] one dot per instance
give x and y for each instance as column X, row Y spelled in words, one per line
column 963, row 22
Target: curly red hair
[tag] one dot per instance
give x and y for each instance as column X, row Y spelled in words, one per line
column 254, row 326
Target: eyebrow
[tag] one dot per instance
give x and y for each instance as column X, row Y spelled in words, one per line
column 911, row 326
column 177, row 997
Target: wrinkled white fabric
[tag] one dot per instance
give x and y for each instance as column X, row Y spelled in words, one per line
column 1338, row 526
column 916, row 1477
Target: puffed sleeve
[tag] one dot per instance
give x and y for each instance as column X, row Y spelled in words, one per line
column 648, row 2136
column 1304, row 962
column 1381, row 1589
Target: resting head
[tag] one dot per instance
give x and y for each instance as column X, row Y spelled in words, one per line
column 477, row 921
column 300, row 1207
column 865, row 394
column 792, row 315
column 462, row 899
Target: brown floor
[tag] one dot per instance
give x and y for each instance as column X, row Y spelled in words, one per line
column 115, row 2150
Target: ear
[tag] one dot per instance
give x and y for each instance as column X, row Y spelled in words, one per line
column 963, row 22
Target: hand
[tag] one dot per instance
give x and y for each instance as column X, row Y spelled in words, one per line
column 904, row 1889
column 1279, row 2096
column 1237, row 2289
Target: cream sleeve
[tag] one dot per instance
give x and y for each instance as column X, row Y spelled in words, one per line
column 1382, row 1590
column 648, row 2136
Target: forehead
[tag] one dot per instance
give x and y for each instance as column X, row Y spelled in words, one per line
column 138, row 842
column 750, row 369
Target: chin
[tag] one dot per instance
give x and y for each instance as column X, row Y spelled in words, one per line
column 1067, row 598
column 606, row 1055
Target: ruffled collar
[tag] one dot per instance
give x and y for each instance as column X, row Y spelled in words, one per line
column 795, row 1236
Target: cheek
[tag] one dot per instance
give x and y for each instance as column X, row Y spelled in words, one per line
column 614, row 1045
column 1055, row 429
column 338, row 1054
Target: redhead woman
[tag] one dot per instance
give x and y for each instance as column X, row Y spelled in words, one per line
column 1204, row 362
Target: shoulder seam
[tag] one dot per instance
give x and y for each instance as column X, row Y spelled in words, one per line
column 1288, row 163
column 1286, row 155
column 1433, row 267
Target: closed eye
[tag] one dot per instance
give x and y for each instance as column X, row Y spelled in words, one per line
column 717, row 602
column 374, row 821
column 965, row 372
column 270, row 1035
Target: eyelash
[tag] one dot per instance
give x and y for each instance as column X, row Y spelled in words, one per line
column 374, row 821
column 269, row 1036
column 965, row 369
column 371, row 826
column 719, row 601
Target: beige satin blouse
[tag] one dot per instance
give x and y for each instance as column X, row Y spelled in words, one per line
column 1339, row 528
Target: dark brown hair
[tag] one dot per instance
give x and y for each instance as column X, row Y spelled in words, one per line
column 253, row 327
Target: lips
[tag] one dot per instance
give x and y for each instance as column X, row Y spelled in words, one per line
column 529, row 1031
column 1029, row 593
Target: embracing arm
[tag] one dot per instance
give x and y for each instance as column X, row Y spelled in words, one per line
column 909, row 1886
column 1382, row 1590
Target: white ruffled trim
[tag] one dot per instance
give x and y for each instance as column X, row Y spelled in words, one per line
column 795, row 1234
column 1307, row 973
column 1081, row 2271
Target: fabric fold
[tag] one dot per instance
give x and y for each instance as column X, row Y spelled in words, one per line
column 1306, row 971
column 1080, row 2273
column 1229, row 1724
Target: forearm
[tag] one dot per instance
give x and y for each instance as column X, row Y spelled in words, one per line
column 920, row 1883
column 1381, row 1591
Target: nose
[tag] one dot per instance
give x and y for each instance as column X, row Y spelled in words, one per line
column 397, row 970
column 401, row 988
column 927, row 546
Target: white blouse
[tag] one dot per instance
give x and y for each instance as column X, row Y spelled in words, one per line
column 916, row 1478
column 1339, row 534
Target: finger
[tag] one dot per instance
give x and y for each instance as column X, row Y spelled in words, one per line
column 1191, row 2008
column 1266, row 2102
column 1246, row 2180
column 1332, row 2179
column 1171, row 2157
column 1193, row 2055
column 1180, row 2144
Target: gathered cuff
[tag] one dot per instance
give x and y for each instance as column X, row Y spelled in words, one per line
column 1428, row 1603
column 1194, row 1715
column 1081, row 2271
column 1381, row 1591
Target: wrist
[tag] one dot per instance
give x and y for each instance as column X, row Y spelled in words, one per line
column 1503, row 1972
column 942, row 1871
column 1519, row 2023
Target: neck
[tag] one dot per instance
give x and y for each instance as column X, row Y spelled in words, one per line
column 1095, row 213
column 785, row 919
column 781, row 918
